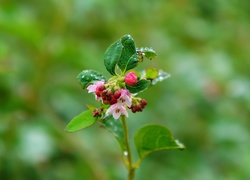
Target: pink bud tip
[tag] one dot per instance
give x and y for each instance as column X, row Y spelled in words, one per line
column 143, row 103
column 131, row 79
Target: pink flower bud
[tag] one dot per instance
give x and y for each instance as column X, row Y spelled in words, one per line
column 143, row 103
column 131, row 79
column 117, row 94
column 113, row 100
column 139, row 108
column 133, row 109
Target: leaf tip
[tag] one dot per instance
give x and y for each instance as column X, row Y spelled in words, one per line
column 66, row 130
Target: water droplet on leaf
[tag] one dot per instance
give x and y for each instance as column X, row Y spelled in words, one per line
column 125, row 153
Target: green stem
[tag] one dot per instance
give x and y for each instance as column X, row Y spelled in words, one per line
column 127, row 154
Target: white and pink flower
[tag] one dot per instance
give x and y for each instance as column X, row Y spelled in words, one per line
column 119, row 101
column 119, row 108
column 125, row 98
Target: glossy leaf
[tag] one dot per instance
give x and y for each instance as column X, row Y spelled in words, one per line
column 121, row 53
column 83, row 120
column 161, row 76
column 87, row 77
column 114, row 127
column 151, row 73
column 112, row 56
column 139, row 86
column 152, row 138
column 129, row 58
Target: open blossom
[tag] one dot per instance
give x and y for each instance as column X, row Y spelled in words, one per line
column 117, row 110
column 123, row 102
column 94, row 87
column 125, row 98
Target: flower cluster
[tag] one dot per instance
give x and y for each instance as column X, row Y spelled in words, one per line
column 114, row 94
column 138, row 105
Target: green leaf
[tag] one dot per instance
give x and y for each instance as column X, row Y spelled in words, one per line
column 148, row 52
column 154, row 137
column 112, row 56
column 151, row 73
column 114, row 127
column 87, row 77
column 161, row 76
column 121, row 53
column 83, row 120
column 129, row 58
column 139, row 86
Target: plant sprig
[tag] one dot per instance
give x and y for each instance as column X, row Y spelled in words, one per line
column 120, row 93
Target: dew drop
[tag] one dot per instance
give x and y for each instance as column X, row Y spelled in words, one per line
column 125, row 153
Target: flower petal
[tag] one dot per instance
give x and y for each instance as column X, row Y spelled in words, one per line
column 116, row 114
column 91, row 88
column 111, row 109
column 125, row 98
column 124, row 111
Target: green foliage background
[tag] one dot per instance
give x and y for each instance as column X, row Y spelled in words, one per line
column 204, row 45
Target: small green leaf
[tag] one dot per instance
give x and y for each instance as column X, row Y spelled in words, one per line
column 148, row 53
column 129, row 58
column 114, row 127
column 87, row 77
column 83, row 120
column 152, row 138
column 139, row 86
column 151, row 73
column 161, row 76
column 112, row 56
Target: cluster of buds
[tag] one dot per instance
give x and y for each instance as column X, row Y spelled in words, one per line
column 109, row 97
column 138, row 105
column 117, row 96
column 97, row 112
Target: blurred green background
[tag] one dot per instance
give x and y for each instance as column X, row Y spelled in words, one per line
column 203, row 44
